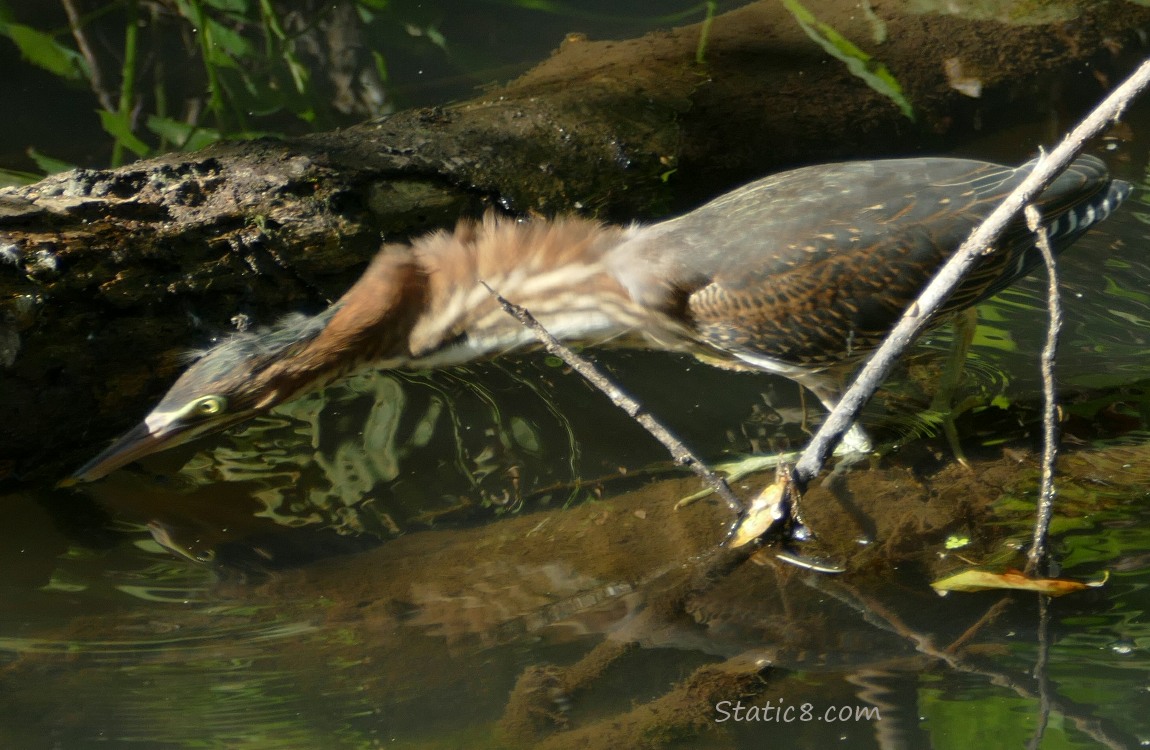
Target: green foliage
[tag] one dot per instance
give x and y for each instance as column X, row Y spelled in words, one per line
column 16, row 177
column 247, row 61
column 181, row 135
column 46, row 165
column 183, row 74
column 44, row 51
column 859, row 63
column 117, row 125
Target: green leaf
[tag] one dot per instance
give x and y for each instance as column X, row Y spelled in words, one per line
column 227, row 45
column 47, row 163
column 229, row 6
column 1000, row 401
column 44, row 51
column 380, row 65
column 181, row 134
column 16, row 178
column 300, row 75
column 957, row 541
column 438, row 39
column 859, row 63
column 367, row 9
column 117, row 125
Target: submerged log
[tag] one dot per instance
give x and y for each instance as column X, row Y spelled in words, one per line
column 110, row 275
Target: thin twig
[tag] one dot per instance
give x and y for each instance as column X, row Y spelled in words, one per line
column 95, row 77
column 920, row 312
column 1046, row 491
column 991, row 614
column 1045, row 699
column 679, row 452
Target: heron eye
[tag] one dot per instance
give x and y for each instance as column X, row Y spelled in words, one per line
column 209, row 406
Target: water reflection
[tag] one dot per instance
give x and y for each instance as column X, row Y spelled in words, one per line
column 593, row 624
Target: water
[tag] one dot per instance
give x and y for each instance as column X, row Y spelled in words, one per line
column 490, row 556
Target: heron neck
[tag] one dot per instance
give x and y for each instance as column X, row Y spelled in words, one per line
column 429, row 304
column 559, row 270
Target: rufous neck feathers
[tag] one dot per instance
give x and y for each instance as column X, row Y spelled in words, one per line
column 431, row 304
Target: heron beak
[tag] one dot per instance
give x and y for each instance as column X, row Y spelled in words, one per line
column 142, row 440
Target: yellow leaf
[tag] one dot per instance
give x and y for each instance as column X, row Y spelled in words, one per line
column 984, row 580
column 766, row 510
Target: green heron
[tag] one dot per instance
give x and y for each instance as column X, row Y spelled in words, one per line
column 799, row 274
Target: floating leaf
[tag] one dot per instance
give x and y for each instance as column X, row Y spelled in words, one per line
column 957, row 541
column 984, row 580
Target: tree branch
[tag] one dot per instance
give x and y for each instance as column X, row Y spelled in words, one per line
column 919, row 314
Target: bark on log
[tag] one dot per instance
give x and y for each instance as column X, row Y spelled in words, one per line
column 109, row 275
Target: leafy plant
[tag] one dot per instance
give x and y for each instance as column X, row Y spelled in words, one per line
column 181, row 74
column 859, row 63
column 249, row 62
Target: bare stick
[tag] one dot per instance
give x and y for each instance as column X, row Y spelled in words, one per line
column 919, row 314
column 1042, row 676
column 679, row 452
column 1049, row 405
column 76, row 24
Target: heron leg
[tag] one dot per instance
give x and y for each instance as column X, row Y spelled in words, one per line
column 965, row 324
column 828, row 391
column 855, row 440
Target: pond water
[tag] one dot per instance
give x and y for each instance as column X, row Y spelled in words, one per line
column 491, row 556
